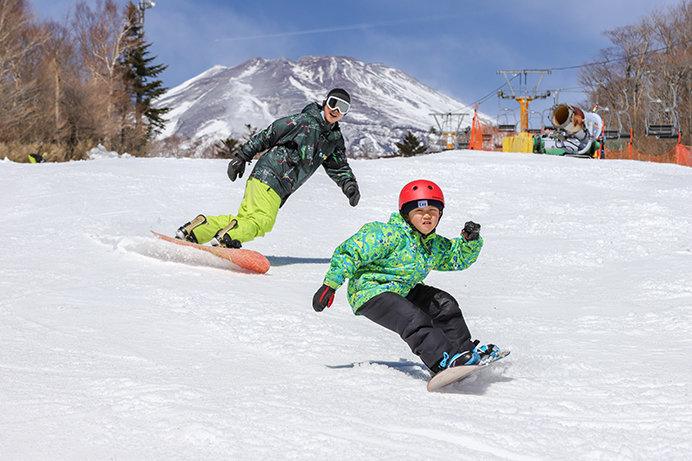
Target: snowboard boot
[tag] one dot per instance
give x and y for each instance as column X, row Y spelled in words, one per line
column 457, row 360
column 487, row 352
column 223, row 240
column 184, row 232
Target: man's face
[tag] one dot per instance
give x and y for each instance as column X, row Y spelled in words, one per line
column 332, row 115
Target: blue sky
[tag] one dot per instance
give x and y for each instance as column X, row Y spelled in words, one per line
column 453, row 46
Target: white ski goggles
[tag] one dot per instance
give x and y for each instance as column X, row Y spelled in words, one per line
column 339, row 104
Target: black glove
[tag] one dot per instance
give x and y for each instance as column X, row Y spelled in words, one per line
column 471, row 230
column 351, row 191
column 323, row 298
column 236, row 168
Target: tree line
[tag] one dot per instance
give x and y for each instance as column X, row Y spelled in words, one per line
column 646, row 72
column 67, row 87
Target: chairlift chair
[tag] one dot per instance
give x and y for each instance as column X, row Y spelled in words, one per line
column 624, row 115
column 612, row 125
column 506, row 119
column 546, row 115
column 662, row 120
column 662, row 123
column 532, row 116
column 625, row 132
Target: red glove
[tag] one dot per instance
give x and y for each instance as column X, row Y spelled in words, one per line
column 323, row 298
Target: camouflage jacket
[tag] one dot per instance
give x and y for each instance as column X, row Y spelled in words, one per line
column 296, row 146
column 394, row 257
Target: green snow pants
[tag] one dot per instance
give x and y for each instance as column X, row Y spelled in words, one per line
column 255, row 217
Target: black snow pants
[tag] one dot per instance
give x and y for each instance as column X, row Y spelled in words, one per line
column 428, row 319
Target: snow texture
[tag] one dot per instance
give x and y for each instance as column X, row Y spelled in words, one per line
column 116, row 345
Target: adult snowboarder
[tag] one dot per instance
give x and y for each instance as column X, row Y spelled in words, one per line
column 386, row 264
column 296, row 146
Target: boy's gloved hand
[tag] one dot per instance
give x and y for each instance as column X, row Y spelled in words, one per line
column 323, row 298
column 236, row 168
column 471, row 230
column 351, row 191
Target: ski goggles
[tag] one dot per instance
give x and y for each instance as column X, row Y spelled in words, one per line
column 339, row 104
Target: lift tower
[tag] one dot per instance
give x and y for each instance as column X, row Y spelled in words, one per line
column 449, row 124
column 523, row 96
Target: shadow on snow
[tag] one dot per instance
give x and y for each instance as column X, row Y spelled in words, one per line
column 477, row 384
column 287, row 260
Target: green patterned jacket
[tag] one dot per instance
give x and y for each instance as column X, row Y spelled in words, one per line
column 296, row 146
column 394, row 257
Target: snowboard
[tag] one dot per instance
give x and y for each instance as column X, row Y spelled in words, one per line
column 243, row 259
column 456, row 374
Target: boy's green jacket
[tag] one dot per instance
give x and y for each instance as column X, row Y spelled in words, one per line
column 297, row 145
column 394, row 257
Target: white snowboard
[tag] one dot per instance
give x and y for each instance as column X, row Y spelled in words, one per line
column 455, row 374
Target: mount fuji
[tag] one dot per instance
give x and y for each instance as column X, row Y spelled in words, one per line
column 386, row 102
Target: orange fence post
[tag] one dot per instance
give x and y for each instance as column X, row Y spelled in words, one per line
column 473, row 129
column 476, row 139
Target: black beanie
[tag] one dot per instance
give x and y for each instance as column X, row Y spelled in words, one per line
column 340, row 93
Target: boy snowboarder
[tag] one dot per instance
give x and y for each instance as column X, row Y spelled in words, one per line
column 386, row 265
column 296, row 146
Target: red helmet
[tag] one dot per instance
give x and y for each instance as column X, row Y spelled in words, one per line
column 421, row 189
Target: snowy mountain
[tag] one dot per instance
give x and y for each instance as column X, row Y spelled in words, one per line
column 115, row 345
column 385, row 101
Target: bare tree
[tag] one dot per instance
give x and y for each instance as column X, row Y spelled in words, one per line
column 101, row 39
column 20, row 38
column 649, row 61
column 63, row 87
column 674, row 64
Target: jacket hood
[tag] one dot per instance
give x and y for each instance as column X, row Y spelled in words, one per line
column 397, row 220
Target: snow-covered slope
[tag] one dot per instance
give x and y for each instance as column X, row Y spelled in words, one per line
column 115, row 345
column 386, row 102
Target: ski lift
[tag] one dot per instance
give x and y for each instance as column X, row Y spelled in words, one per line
column 507, row 120
column 661, row 120
column 624, row 115
column 449, row 125
column 506, row 117
column 613, row 120
column 146, row 4
column 533, row 115
column 612, row 126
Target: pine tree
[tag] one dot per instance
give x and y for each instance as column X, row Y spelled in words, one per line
column 140, row 82
column 229, row 147
column 410, row 146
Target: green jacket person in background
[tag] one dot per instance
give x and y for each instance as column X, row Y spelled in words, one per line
column 296, row 146
column 386, row 264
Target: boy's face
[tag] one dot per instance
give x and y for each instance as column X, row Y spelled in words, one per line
column 332, row 115
column 424, row 219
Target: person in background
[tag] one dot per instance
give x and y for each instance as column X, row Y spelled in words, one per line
column 36, row 158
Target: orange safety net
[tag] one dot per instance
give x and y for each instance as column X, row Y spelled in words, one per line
column 486, row 137
column 683, row 155
column 680, row 154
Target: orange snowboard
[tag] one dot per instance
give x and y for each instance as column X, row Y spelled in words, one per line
column 244, row 259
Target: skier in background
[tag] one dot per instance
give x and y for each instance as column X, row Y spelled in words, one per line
column 37, row 158
column 386, row 265
column 296, row 146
